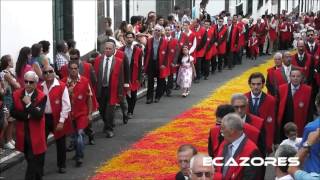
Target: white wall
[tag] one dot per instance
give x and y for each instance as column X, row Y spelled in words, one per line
column 24, row 23
column 142, row 7
column 85, row 25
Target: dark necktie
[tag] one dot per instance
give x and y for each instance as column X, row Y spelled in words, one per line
column 105, row 75
column 311, row 48
column 255, row 105
column 226, row 158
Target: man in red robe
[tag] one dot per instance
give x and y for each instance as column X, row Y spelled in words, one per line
column 215, row 137
column 201, row 36
column 304, row 60
column 155, row 62
column 263, row 106
column 270, row 82
column 221, row 37
column 134, row 55
column 236, row 145
column 57, row 113
column 28, row 109
column 110, row 73
column 211, row 49
column 172, row 56
column 294, row 104
column 81, row 102
column 240, row 104
column 261, row 30
column 232, row 42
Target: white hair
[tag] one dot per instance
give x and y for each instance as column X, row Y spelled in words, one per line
column 239, row 96
column 32, row 75
column 277, row 54
column 197, row 157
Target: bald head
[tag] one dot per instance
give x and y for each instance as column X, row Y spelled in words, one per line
column 198, row 168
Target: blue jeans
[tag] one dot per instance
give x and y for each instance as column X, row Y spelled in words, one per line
column 78, row 136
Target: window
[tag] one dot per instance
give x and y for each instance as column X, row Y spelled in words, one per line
column 249, row 8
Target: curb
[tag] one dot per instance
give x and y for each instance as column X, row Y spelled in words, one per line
column 15, row 157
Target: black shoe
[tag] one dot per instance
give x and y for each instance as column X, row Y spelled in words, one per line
column 110, row 134
column 130, row 116
column 205, row 78
column 156, row 100
column 79, row 162
column 168, row 92
column 62, row 170
column 177, row 87
column 149, row 101
column 125, row 119
column 196, row 81
column 91, row 140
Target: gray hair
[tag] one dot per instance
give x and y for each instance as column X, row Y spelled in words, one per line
column 239, row 96
column 277, row 54
column 32, row 75
column 285, row 150
column 233, row 121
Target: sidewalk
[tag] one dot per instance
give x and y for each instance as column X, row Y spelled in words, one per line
column 9, row 158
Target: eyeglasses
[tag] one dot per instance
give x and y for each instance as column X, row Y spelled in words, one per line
column 309, row 35
column 241, row 107
column 158, row 30
column 73, row 68
column 200, row 174
column 48, row 72
column 74, row 58
column 28, row 82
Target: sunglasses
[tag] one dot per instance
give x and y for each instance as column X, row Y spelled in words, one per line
column 309, row 35
column 74, row 58
column 200, row 174
column 28, row 82
column 158, row 30
column 48, row 72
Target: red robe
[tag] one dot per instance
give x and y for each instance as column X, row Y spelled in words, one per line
column 79, row 102
column 306, row 65
column 251, row 132
column 135, row 67
column 284, row 32
column 266, row 111
column 190, row 41
column 201, row 36
column 221, row 37
column 211, row 49
column 301, row 101
column 234, row 38
column 162, row 53
column 253, row 46
column 173, row 49
column 242, row 40
column 273, row 31
column 261, row 32
column 271, row 81
column 247, row 148
column 36, row 126
column 55, row 98
column 114, row 79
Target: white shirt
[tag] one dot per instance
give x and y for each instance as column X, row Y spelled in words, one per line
column 253, row 97
column 109, row 66
column 295, row 143
column 300, row 56
column 312, row 45
column 66, row 105
column 236, row 143
column 287, row 70
column 294, row 88
column 287, row 177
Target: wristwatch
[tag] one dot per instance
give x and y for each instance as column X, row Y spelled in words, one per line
column 306, row 145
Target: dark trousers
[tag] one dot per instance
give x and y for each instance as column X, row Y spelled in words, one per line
column 124, row 107
column 206, row 67
column 230, row 59
column 169, row 84
column 214, row 64
column 106, row 110
column 35, row 163
column 221, row 58
column 60, row 143
column 153, row 72
column 132, row 101
column 199, row 67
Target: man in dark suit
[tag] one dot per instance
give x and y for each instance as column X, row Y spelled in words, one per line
column 185, row 153
column 110, row 73
column 236, row 145
column 28, row 110
column 263, row 106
